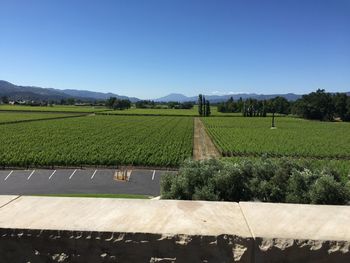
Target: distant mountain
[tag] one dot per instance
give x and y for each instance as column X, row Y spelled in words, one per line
column 175, row 97
column 96, row 95
column 16, row 92
column 220, row 98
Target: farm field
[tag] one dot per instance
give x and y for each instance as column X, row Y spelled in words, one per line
column 167, row 112
column 293, row 137
column 54, row 108
column 10, row 117
column 98, row 140
column 155, row 112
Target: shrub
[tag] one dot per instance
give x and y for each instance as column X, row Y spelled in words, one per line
column 263, row 179
column 326, row 190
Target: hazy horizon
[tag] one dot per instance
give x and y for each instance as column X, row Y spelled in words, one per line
column 149, row 49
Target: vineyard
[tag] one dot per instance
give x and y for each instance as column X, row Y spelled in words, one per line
column 97, row 140
column 54, row 108
column 11, row 117
column 153, row 112
column 166, row 112
column 293, row 137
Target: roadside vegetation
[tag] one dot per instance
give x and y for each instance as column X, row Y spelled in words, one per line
column 265, row 180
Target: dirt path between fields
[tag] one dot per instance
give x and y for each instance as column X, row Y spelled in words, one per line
column 203, row 147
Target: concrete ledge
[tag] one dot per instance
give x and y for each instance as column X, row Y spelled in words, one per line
column 5, row 199
column 299, row 233
column 52, row 229
column 125, row 215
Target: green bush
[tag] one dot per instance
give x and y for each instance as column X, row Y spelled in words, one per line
column 326, row 190
column 266, row 180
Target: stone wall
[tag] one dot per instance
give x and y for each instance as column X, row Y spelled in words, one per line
column 52, row 229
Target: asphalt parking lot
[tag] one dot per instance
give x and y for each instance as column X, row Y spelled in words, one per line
column 76, row 181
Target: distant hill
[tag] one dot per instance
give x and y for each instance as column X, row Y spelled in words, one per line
column 175, row 97
column 15, row 92
column 220, row 98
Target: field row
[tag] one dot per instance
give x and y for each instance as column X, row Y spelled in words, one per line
column 103, row 110
column 293, row 137
column 10, row 117
column 54, row 108
column 98, row 140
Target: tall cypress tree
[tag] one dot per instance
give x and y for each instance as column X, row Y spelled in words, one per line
column 204, row 104
column 207, row 109
column 200, row 105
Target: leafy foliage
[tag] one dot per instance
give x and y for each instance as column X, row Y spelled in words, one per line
column 293, row 137
column 264, row 180
column 98, row 140
column 323, row 106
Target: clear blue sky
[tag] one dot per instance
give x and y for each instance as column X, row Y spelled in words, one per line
column 151, row 48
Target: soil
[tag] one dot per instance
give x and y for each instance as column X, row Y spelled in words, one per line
column 203, row 147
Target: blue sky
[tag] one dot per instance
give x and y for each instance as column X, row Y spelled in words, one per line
column 151, row 48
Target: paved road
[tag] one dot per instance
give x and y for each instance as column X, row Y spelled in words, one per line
column 71, row 181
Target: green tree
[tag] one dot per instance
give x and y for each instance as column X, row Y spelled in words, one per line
column 5, row 99
column 316, row 105
column 340, row 105
column 71, row 101
column 121, row 104
column 207, row 109
column 110, row 102
column 204, row 104
column 200, row 104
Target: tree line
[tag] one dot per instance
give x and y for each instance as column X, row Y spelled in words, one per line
column 318, row 105
column 255, row 108
column 118, row 104
column 323, row 106
column 150, row 104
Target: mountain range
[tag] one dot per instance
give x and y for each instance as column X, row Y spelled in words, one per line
column 220, row 98
column 16, row 92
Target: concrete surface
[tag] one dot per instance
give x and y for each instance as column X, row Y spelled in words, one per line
column 5, row 199
column 57, row 229
column 324, row 222
column 86, row 181
column 299, row 233
column 51, row 229
column 124, row 215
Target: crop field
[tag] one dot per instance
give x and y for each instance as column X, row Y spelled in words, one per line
column 154, row 112
column 10, row 117
column 54, row 108
column 167, row 112
column 98, row 140
column 293, row 137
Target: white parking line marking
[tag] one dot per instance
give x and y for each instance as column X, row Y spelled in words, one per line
column 31, row 174
column 70, row 177
column 52, row 174
column 93, row 174
column 154, row 172
column 8, row 175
